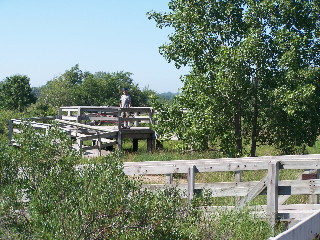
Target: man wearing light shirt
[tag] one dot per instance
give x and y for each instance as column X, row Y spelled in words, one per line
column 125, row 102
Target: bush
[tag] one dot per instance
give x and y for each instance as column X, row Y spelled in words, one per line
column 46, row 194
column 89, row 202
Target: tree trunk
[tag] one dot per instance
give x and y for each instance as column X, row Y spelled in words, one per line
column 237, row 129
column 254, row 132
column 254, row 129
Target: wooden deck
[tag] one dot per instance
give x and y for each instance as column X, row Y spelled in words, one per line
column 100, row 125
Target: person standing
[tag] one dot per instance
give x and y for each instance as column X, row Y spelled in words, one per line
column 125, row 102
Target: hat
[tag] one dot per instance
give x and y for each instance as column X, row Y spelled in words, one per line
column 124, row 89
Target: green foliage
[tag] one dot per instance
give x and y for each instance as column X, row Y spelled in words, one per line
column 84, row 202
column 63, row 90
column 16, row 93
column 255, row 73
column 76, row 87
column 167, row 96
column 5, row 116
column 236, row 225
column 45, row 194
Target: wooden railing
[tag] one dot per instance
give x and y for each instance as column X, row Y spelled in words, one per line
column 36, row 122
column 113, row 115
column 276, row 190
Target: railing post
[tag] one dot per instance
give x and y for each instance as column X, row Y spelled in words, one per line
column 99, row 143
column 150, row 116
column 10, row 131
column 79, row 115
column 60, row 113
column 238, row 176
column 169, row 178
column 191, row 183
column 136, row 114
column 272, row 191
column 79, row 142
column 119, row 119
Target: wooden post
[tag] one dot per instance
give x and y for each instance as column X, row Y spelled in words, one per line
column 99, row 143
column 10, row 131
column 79, row 142
column 150, row 117
column 60, row 113
column 79, row 115
column 309, row 175
column 272, row 192
column 135, row 144
column 119, row 140
column 136, row 114
column 149, row 144
column 169, row 178
column 237, row 176
column 119, row 119
column 191, row 183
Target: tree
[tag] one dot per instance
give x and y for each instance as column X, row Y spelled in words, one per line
column 63, row 90
column 76, row 87
column 16, row 93
column 250, row 61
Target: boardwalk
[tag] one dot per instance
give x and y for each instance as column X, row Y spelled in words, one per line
column 99, row 125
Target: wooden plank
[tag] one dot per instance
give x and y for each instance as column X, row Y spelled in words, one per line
column 272, row 192
column 136, row 119
column 254, row 192
column 69, row 118
column 307, row 229
column 311, row 163
column 137, row 109
column 250, row 190
column 191, row 182
column 99, row 118
column 166, row 168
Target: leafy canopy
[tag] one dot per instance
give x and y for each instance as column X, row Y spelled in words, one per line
column 255, row 72
column 16, row 93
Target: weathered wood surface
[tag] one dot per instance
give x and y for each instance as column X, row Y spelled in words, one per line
column 308, row 229
column 70, row 120
column 224, row 164
column 249, row 190
column 270, row 185
column 106, row 113
column 253, row 192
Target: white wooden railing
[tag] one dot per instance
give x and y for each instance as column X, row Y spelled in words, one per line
column 276, row 190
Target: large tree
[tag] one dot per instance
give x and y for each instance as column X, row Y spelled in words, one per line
column 255, row 71
column 16, row 93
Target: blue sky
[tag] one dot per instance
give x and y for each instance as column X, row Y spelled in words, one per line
column 44, row 38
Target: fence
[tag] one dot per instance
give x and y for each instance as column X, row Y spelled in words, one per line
column 277, row 191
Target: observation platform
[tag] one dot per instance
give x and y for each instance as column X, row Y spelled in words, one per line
column 95, row 130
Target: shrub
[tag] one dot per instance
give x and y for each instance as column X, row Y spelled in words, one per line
column 46, row 194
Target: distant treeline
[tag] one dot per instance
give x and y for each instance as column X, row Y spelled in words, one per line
column 167, row 96
column 73, row 88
